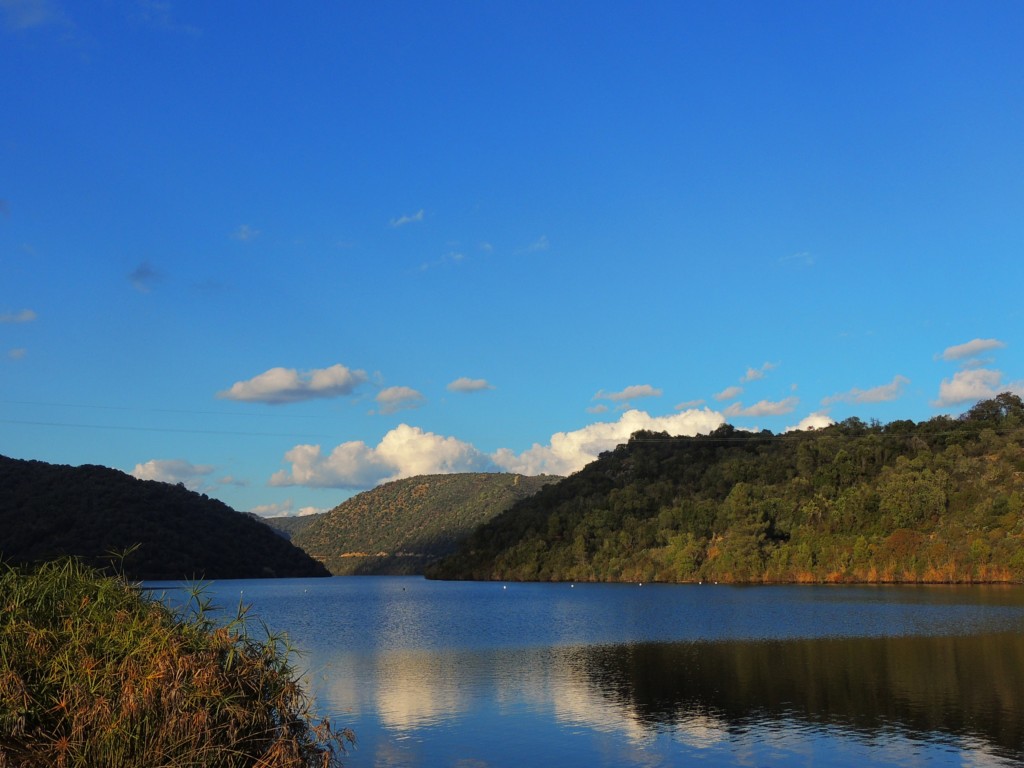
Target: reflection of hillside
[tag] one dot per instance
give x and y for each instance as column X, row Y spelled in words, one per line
column 967, row 690
column 957, row 686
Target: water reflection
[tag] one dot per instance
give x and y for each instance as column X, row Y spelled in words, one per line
column 890, row 694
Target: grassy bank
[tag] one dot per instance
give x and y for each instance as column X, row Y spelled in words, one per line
column 95, row 674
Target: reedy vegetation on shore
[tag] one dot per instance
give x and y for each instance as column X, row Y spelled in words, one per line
column 95, row 674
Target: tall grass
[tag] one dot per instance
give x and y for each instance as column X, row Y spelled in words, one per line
column 94, row 674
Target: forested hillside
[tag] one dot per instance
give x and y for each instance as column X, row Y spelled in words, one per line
column 401, row 526
column 939, row 501
column 49, row 510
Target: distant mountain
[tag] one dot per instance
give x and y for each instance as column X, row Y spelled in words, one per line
column 401, row 526
column 938, row 501
column 49, row 511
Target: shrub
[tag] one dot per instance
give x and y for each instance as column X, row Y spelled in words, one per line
column 95, row 674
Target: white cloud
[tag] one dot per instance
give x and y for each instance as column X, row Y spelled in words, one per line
column 568, row 452
column 754, row 374
column 465, row 384
column 403, row 452
column 688, row 404
column 974, row 384
column 599, row 408
column 395, row 399
column 24, row 316
column 971, row 348
column 764, row 408
column 540, row 244
column 728, row 393
column 881, row 394
column 629, row 393
column 413, row 218
column 245, row 233
column 284, row 509
column 173, row 471
column 816, row 420
column 287, row 385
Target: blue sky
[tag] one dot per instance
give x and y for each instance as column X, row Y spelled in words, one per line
column 282, row 253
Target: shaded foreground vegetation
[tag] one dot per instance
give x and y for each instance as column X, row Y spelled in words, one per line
column 402, row 526
column 49, row 511
column 94, row 674
column 939, row 501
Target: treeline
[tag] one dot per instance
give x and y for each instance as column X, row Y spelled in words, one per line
column 938, row 501
column 48, row 511
column 402, row 526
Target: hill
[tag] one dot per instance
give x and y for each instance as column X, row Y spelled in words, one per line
column 939, row 501
column 48, row 511
column 401, row 526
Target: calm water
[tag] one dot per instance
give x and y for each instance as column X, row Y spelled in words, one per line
column 480, row 675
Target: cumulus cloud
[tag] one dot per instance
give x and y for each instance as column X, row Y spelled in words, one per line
column 816, row 420
column 143, row 277
column 764, row 408
column 754, row 374
column 728, row 393
column 395, row 399
column 173, row 471
column 285, row 508
column 971, row 348
column 974, row 384
column 412, row 218
column 881, row 394
column 403, row 452
column 465, row 384
column 568, row 452
column 287, row 385
column 24, row 316
column 629, row 393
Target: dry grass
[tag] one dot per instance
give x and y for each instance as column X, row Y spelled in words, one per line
column 93, row 674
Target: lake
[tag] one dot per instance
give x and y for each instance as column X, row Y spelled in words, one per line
column 475, row 675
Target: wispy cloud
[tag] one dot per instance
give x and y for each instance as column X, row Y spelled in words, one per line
column 410, row 218
column 540, row 244
column 881, row 394
column 144, row 277
column 728, row 393
column 465, row 384
column 971, row 348
column 755, row 374
column 245, row 233
column 688, row 404
column 450, row 258
column 23, row 316
column 764, row 408
column 799, row 259
column 285, row 508
column 18, row 353
column 395, row 399
column 287, row 385
column 26, row 14
column 629, row 393
column 5, row 208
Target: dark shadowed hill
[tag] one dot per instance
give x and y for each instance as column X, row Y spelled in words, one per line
column 938, row 501
column 401, row 526
column 49, row 510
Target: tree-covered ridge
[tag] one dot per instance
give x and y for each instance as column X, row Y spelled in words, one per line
column 939, row 501
column 48, row 511
column 401, row 526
